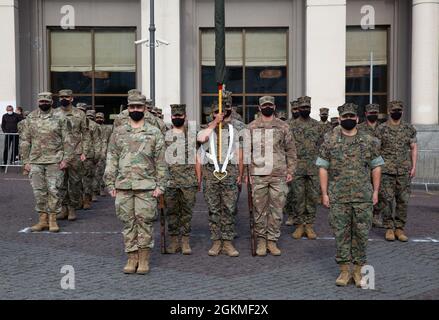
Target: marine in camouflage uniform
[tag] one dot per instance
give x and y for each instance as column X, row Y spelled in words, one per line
column 105, row 134
column 46, row 151
column 183, row 180
column 399, row 150
column 270, row 173
column 308, row 135
column 347, row 159
column 136, row 175
column 370, row 127
column 71, row 190
column 324, row 114
column 289, row 205
column 221, row 195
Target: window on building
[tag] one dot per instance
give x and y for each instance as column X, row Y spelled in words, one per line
column 256, row 65
column 363, row 48
column 97, row 64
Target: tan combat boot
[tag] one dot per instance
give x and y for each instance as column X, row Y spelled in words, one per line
column 143, row 267
column 72, row 214
column 86, row 203
column 272, row 248
column 133, row 261
column 43, row 223
column 53, row 226
column 299, row 232
column 399, row 234
column 357, row 275
column 229, row 249
column 309, row 232
column 186, row 247
column 174, row 245
column 345, row 276
column 290, row 221
column 261, row 249
column 390, row 235
column 216, row 248
column 64, row 213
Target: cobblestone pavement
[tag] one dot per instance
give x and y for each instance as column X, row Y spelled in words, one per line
column 30, row 264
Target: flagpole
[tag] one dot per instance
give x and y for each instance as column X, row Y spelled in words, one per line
column 220, row 106
column 371, row 78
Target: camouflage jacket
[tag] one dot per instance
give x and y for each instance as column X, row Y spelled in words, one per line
column 395, row 147
column 308, row 135
column 327, row 126
column 45, row 138
column 368, row 129
column 181, row 159
column 77, row 119
column 284, row 156
column 92, row 134
column 123, row 118
column 236, row 116
column 136, row 159
column 349, row 161
column 105, row 134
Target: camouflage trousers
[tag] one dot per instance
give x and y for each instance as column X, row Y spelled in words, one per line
column 137, row 210
column 71, row 190
column 290, row 202
column 221, row 202
column 98, row 179
column 269, row 197
column 351, row 223
column 88, row 177
column 394, row 188
column 179, row 205
column 46, row 180
column 306, row 193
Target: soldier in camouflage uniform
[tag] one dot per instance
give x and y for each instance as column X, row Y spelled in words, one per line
column 324, row 114
column 136, row 175
column 105, row 134
column 308, row 135
column 228, row 102
column 347, row 160
column 155, row 112
column 92, row 153
column 221, row 194
column 399, row 150
column 46, row 152
column 184, row 177
column 370, row 127
column 270, row 174
column 71, row 190
column 290, row 204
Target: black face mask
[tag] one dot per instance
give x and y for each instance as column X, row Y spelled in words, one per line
column 324, row 118
column 45, row 107
column 348, row 124
column 178, row 122
column 397, row 115
column 296, row 115
column 99, row 121
column 305, row 113
column 136, row 115
column 64, row 102
column 372, row 118
column 228, row 113
column 268, row 111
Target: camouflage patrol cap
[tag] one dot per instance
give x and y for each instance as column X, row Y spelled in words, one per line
column 45, row 97
column 134, row 92
column 282, row 115
column 395, row 105
column 65, row 93
column 137, row 99
column 294, row 105
column 178, row 109
column 100, row 115
column 348, row 108
column 90, row 113
column 266, row 100
column 81, row 106
column 304, row 101
column 324, row 111
column 373, row 107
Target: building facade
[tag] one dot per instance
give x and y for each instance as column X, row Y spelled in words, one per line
column 326, row 49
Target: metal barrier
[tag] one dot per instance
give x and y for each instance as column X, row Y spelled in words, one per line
column 9, row 148
column 427, row 171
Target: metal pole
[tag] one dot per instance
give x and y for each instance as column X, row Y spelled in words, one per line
column 371, row 78
column 152, row 52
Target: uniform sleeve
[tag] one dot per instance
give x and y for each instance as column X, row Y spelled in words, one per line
column 86, row 138
column 66, row 136
column 376, row 158
column 97, row 142
column 324, row 158
column 290, row 151
column 160, row 162
column 413, row 135
column 112, row 163
column 25, row 142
